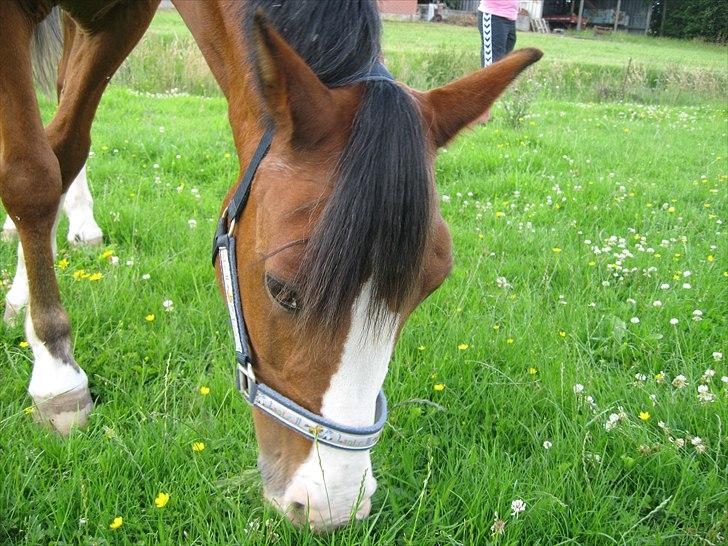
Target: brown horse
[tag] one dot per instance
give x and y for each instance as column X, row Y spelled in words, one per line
column 341, row 237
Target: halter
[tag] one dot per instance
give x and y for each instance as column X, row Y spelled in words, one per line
column 259, row 395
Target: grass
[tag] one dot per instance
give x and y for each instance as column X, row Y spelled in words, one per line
column 521, row 200
column 575, row 67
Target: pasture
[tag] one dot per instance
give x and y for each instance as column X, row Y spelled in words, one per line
column 572, row 361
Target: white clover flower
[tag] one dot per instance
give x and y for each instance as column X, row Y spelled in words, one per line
column 674, row 321
column 635, row 320
column 114, row 260
column 640, row 377
column 708, row 374
column 445, row 198
column 679, row 442
column 130, row 263
column 697, row 315
column 168, row 305
column 657, row 303
column 146, row 277
column 653, row 398
column 192, row 223
column 547, row 444
column 502, row 282
column 717, row 356
column 680, row 381
column 686, row 273
column 724, row 379
column 631, row 301
column 517, row 506
column 687, row 285
column 696, row 441
column 664, row 286
column 591, row 402
column 605, row 283
column 578, row 388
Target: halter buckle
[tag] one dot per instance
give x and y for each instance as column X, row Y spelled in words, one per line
column 247, row 383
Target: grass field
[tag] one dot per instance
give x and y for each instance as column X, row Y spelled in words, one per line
column 586, row 308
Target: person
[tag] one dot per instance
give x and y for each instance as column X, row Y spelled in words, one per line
column 497, row 26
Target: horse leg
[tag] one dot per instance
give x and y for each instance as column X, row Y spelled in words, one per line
column 31, row 188
column 79, row 207
column 100, row 45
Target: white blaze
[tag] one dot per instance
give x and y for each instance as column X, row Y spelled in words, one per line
column 332, row 482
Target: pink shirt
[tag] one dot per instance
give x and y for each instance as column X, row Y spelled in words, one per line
column 502, row 8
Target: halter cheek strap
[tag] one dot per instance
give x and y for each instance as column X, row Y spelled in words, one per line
column 260, row 395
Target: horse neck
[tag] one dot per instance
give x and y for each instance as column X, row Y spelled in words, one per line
column 217, row 28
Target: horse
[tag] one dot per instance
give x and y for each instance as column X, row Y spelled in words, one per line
column 326, row 246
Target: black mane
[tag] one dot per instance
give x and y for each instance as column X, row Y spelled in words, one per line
column 375, row 224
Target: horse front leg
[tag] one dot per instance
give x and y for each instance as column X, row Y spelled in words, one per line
column 31, row 188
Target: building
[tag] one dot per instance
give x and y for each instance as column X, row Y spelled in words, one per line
column 401, row 9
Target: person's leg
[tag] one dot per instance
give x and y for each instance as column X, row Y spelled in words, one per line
column 494, row 35
column 482, row 42
column 511, row 39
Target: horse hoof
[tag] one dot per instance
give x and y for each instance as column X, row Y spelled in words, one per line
column 90, row 237
column 9, row 235
column 64, row 411
column 10, row 317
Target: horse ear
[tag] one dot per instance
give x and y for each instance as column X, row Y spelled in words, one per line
column 297, row 101
column 453, row 107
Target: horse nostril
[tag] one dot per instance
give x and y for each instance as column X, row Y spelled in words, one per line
column 297, row 506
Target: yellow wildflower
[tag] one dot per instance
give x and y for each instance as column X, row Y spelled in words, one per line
column 556, row 249
column 79, row 274
column 499, row 214
column 463, row 346
column 23, row 344
column 421, row 348
column 118, row 522
column 711, row 258
column 198, row 446
column 161, row 500
column 63, row 264
column 204, row 391
column 644, row 415
column 107, row 254
column 532, row 371
column 96, row 276
column 150, row 317
column 28, row 410
column 439, row 387
column 562, row 333
column 509, row 341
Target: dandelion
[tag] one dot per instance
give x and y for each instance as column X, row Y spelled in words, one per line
column 463, row 346
column 118, row 522
column 517, row 506
column 645, row 415
column 161, row 500
column 439, row 387
column 635, row 320
column 168, row 305
column 680, row 381
column 578, row 388
column 197, row 447
column 674, row 321
column 204, row 391
column 547, row 444
column 150, row 317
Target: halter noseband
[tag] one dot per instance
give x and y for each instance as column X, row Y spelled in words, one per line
column 260, row 395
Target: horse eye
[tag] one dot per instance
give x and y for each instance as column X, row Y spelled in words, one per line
column 282, row 294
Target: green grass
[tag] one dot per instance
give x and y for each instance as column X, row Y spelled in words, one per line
column 575, row 67
column 570, row 172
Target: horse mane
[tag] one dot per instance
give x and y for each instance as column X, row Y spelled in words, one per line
column 375, row 225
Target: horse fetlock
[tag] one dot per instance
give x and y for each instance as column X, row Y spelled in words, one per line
column 64, row 411
column 86, row 233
